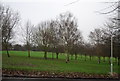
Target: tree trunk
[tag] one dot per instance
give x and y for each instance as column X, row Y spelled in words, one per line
column 109, row 60
column 90, row 57
column 28, row 48
column 71, row 56
column 104, row 59
column 7, row 51
column 85, row 57
column 68, row 57
column 75, row 56
column 45, row 55
column 57, row 55
column 28, row 53
column 52, row 55
column 99, row 60
column 118, row 60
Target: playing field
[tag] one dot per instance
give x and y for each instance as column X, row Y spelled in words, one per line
column 20, row 61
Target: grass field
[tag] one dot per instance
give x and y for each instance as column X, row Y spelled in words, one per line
column 20, row 61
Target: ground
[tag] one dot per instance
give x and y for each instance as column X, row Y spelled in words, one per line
column 37, row 64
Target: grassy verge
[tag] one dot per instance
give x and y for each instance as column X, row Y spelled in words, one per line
column 20, row 61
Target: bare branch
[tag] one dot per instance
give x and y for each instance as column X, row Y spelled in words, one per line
column 71, row 3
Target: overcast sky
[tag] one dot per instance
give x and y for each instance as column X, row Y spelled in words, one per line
column 84, row 10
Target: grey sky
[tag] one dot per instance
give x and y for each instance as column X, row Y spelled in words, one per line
column 41, row 10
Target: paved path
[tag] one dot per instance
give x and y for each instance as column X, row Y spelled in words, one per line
column 52, row 79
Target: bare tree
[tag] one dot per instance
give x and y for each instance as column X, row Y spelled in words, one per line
column 68, row 31
column 8, row 21
column 96, row 38
column 117, row 45
column 54, row 38
column 43, row 36
column 28, row 35
column 111, row 29
column 77, row 44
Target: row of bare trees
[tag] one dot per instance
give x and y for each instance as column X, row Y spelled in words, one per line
column 101, row 40
column 60, row 35
column 63, row 33
column 56, row 34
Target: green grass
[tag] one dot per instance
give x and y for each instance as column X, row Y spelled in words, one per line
column 20, row 61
